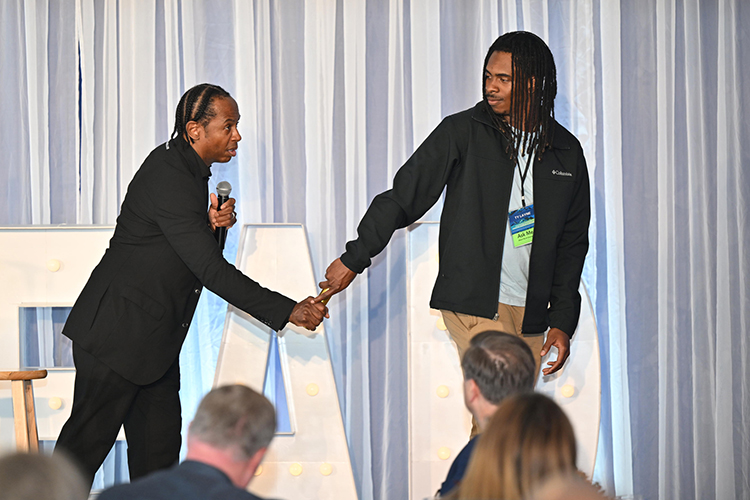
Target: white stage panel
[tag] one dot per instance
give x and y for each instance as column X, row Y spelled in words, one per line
column 42, row 266
column 312, row 461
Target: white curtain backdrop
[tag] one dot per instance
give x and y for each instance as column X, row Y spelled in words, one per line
column 336, row 94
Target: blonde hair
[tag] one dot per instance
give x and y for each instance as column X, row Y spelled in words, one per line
column 570, row 486
column 528, row 439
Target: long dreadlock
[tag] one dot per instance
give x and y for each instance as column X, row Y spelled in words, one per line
column 532, row 108
column 196, row 106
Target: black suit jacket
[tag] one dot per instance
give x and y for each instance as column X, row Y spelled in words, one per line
column 135, row 310
column 188, row 481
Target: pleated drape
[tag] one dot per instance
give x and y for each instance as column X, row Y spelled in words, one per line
column 336, row 94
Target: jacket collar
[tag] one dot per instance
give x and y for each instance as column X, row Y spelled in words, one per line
column 191, row 157
column 480, row 114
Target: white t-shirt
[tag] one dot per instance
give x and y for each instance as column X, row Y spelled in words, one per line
column 514, row 274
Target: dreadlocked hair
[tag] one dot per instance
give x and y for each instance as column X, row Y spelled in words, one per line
column 196, row 106
column 532, row 102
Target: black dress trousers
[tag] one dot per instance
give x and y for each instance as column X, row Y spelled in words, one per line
column 103, row 401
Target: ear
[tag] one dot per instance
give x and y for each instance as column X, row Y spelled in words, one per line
column 246, row 469
column 194, row 130
column 471, row 390
column 254, row 462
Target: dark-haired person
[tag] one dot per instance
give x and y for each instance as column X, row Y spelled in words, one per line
column 496, row 365
column 130, row 321
column 505, row 162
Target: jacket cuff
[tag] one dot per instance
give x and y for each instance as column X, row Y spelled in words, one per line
column 568, row 327
column 350, row 261
column 281, row 315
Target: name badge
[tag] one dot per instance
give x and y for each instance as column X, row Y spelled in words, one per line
column 522, row 226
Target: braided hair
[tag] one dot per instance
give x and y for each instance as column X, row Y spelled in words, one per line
column 532, row 107
column 196, row 106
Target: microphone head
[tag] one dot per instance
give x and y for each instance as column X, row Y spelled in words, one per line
column 223, row 188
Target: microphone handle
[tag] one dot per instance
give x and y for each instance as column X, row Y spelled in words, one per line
column 221, row 232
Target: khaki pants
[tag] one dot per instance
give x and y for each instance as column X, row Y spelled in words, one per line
column 462, row 327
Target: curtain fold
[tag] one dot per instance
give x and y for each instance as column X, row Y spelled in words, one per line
column 615, row 436
column 336, row 94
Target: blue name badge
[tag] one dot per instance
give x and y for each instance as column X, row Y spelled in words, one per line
column 522, row 226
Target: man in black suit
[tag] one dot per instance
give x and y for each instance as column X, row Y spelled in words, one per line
column 130, row 321
column 226, row 442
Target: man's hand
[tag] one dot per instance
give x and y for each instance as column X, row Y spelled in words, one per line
column 559, row 339
column 221, row 217
column 338, row 277
column 309, row 313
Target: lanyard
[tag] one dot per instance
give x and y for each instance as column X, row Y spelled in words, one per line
column 523, row 176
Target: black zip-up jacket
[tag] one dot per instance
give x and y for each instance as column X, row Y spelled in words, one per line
column 466, row 155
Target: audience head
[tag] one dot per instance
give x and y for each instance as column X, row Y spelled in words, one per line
column 235, row 418
column 528, row 439
column 496, row 365
column 40, row 477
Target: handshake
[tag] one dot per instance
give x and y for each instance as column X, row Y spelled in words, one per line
column 310, row 312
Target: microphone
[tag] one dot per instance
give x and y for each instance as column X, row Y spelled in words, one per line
column 222, row 193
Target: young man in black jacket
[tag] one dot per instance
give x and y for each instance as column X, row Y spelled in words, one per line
column 514, row 226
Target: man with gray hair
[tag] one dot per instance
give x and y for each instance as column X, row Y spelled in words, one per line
column 226, row 442
column 496, row 365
